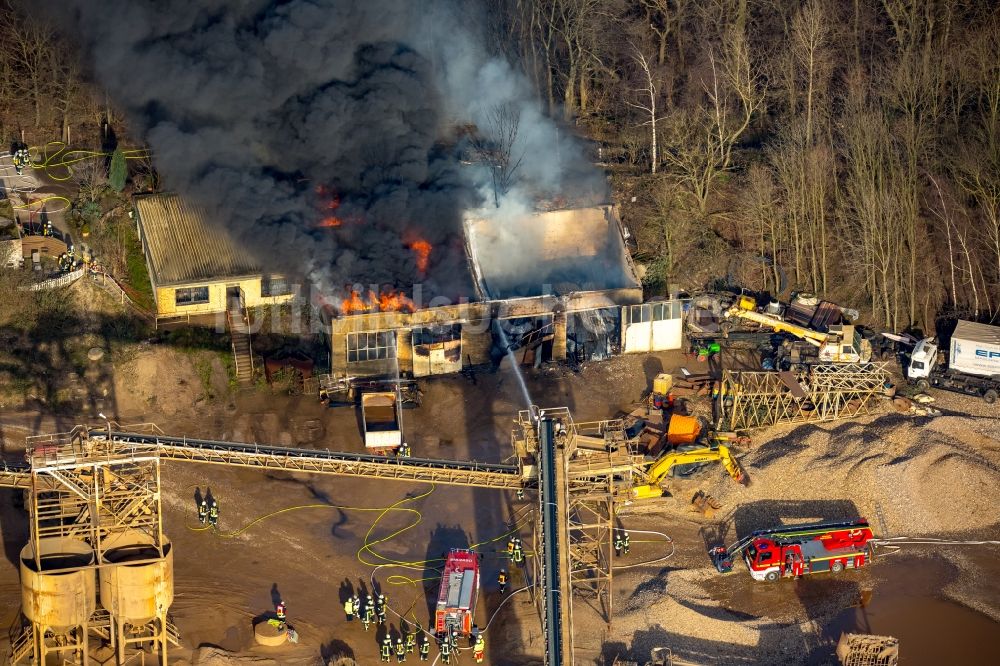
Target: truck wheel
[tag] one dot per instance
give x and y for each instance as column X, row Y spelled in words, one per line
column 990, row 396
column 772, row 576
column 836, row 567
column 923, row 384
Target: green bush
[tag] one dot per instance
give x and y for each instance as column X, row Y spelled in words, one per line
column 118, row 172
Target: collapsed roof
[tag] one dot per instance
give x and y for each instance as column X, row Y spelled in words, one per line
column 556, row 252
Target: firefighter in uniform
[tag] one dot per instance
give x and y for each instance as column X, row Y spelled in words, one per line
column 213, row 513
column 380, row 608
column 369, row 615
column 400, row 651
column 403, row 451
column 479, row 650
column 425, row 648
column 386, row 650
column 502, row 580
column 619, row 544
column 446, row 651
column 518, row 553
column 625, row 542
column 349, row 608
column 203, row 512
column 510, row 547
column 411, row 639
column 279, row 611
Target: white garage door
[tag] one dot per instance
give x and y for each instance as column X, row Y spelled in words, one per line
column 653, row 326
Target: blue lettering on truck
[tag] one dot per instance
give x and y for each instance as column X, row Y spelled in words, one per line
column 985, row 353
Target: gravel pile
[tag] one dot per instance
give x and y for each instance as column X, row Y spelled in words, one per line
column 928, row 476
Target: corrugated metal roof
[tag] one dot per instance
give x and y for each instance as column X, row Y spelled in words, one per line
column 183, row 246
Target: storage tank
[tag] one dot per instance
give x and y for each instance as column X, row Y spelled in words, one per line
column 136, row 593
column 58, row 600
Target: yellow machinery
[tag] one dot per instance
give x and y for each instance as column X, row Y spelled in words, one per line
column 746, row 309
column 842, row 345
column 663, row 465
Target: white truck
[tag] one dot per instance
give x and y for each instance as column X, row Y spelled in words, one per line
column 380, row 414
column 972, row 365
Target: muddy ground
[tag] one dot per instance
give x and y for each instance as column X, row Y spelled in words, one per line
column 925, row 477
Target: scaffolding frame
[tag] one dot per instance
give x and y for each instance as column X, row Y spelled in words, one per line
column 828, row 392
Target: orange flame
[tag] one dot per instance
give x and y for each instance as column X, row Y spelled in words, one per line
column 423, row 251
column 332, row 204
column 389, row 301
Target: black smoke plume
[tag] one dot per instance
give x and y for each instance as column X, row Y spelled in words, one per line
column 263, row 111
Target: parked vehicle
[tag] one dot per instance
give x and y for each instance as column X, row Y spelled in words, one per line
column 380, row 414
column 456, row 604
column 799, row 550
column 971, row 366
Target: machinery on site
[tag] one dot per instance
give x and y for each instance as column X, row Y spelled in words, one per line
column 666, row 463
column 972, row 365
column 803, row 332
column 839, row 343
column 798, row 550
column 456, row 604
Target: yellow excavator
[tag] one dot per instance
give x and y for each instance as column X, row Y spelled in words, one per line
column 662, row 466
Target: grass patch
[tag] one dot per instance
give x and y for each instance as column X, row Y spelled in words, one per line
column 203, row 368
column 229, row 363
column 138, row 274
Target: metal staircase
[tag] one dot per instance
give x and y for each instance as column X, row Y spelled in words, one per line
column 239, row 331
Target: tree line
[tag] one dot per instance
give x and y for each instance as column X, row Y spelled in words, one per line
column 850, row 146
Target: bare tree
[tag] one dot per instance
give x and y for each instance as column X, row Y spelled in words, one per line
column 29, row 44
column 701, row 143
column 809, row 42
column 648, row 103
column 500, row 148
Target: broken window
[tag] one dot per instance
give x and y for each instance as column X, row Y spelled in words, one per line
column 272, row 285
column 370, row 346
column 191, row 295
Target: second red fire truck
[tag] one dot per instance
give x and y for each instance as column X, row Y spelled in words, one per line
column 799, row 550
column 456, row 604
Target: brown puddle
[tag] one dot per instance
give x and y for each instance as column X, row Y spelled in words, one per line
column 906, row 603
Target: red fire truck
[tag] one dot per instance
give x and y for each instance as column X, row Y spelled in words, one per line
column 798, row 550
column 456, row 602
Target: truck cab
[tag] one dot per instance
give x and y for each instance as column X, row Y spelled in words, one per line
column 922, row 359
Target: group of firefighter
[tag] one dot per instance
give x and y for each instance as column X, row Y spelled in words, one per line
column 374, row 608
column 208, row 512
column 21, row 157
column 412, row 639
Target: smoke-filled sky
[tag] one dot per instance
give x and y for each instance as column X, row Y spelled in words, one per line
column 251, row 105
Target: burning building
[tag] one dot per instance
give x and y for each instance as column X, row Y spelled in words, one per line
column 547, row 285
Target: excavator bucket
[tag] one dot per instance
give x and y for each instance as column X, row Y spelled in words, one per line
column 733, row 466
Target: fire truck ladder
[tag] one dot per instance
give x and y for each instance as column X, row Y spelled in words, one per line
column 792, row 531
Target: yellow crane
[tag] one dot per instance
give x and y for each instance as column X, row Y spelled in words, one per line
column 843, row 344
